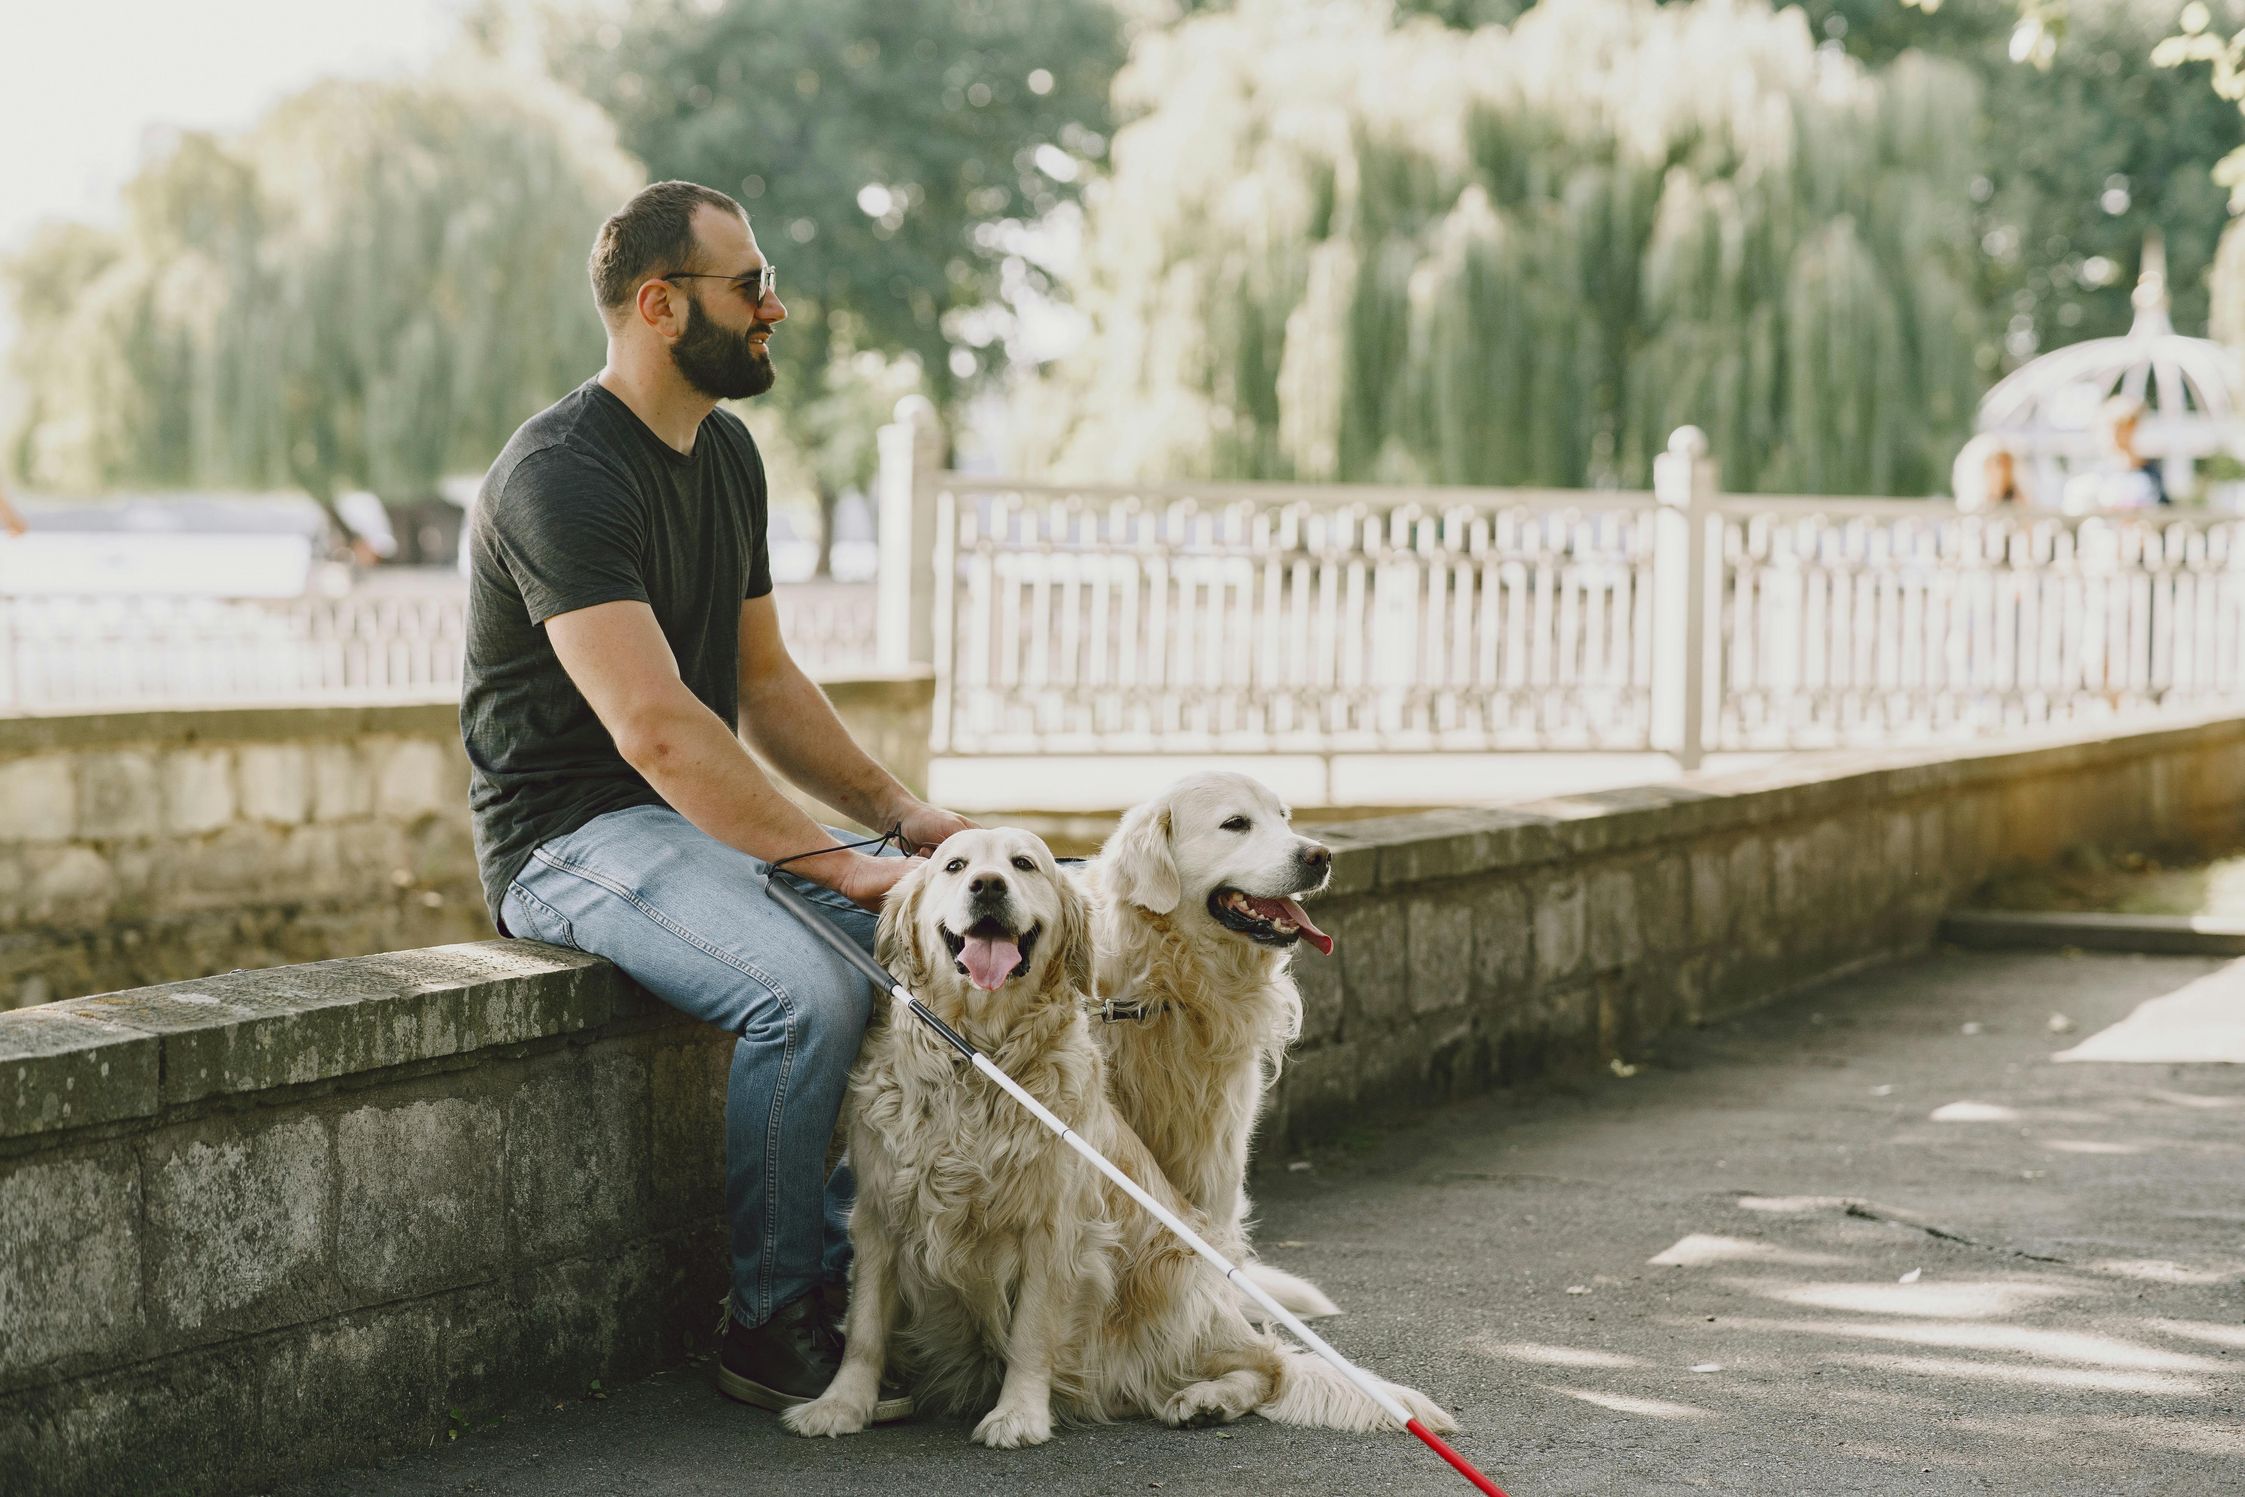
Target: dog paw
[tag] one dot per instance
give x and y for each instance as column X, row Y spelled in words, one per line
column 826, row 1415
column 1425, row 1409
column 1204, row 1404
column 1005, row 1428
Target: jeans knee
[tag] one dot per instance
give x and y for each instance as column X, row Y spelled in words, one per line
column 830, row 1024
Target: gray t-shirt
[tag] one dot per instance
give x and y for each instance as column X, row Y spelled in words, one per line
column 585, row 505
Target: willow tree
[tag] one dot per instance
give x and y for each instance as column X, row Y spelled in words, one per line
column 1338, row 245
column 370, row 288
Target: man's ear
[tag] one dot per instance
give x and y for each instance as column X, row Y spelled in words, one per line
column 896, row 940
column 1141, row 868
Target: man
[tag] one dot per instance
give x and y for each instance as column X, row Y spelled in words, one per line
column 2124, row 478
column 622, row 642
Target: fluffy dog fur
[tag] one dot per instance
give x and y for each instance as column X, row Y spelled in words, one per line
column 982, row 1242
column 1219, row 1005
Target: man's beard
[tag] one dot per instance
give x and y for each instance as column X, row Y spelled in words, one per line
column 722, row 365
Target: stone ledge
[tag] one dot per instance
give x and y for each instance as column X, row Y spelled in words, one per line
column 1399, row 851
column 2157, row 935
column 127, row 1054
column 417, row 716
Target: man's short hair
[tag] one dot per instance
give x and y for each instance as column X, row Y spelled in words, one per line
column 651, row 234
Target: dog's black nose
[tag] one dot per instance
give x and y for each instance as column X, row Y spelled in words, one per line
column 1317, row 855
column 989, row 886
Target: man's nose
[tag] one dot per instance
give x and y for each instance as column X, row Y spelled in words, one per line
column 771, row 308
column 986, row 886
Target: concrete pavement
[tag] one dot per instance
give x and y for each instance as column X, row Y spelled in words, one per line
column 1872, row 1240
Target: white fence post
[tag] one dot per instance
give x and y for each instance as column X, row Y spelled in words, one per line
column 911, row 455
column 1684, row 483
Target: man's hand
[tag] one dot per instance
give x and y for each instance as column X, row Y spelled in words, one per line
column 867, row 881
column 924, row 826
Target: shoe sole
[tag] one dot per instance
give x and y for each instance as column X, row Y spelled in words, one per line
column 733, row 1385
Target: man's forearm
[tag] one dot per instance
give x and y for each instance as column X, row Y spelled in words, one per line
column 704, row 773
column 792, row 724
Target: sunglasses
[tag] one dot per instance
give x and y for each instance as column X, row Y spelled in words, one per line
column 756, row 285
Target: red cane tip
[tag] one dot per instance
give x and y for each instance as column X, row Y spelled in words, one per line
column 1442, row 1448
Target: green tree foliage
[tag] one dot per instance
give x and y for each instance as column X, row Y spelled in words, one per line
column 2088, row 146
column 372, row 287
column 1335, row 246
column 888, row 151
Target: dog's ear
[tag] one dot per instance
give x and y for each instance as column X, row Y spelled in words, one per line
column 1142, row 870
column 896, row 940
column 1075, row 951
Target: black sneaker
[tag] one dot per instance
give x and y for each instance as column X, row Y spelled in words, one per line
column 790, row 1359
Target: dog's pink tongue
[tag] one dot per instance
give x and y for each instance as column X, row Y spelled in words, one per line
column 1310, row 932
column 989, row 961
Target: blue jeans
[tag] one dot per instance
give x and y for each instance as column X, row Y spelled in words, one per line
column 687, row 917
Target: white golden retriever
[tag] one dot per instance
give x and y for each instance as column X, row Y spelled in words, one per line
column 1196, row 917
column 982, row 1241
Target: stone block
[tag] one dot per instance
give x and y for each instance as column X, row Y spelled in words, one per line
column 1793, row 880
column 38, row 799
column 198, row 790
column 1440, row 951
column 1711, row 906
column 68, row 886
column 174, row 1425
column 239, row 1221
column 1317, row 1096
column 118, row 795
column 1371, row 938
column 247, row 1031
column 577, row 1144
column 342, row 783
column 1898, row 857
column 276, row 781
column 377, row 855
column 1504, row 946
column 60, row 1068
column 686, row 1112
column 1560, row 929
column 70, row 1267
column 234, row 866
column 355, row 1386
column 1318, row 980
column 422, row 1205
column 1753, row 911
column 417, row 778
column 1617, row 940
column 1664, row 903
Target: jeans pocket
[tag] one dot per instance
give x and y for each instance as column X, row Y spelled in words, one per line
column 532, row 918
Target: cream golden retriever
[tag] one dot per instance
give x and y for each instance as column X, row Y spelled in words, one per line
column 1196, row 918
column 990, row 1256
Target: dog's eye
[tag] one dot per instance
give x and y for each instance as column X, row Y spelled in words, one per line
column 1237, row 824
column 1025, row 864
column 954, row 865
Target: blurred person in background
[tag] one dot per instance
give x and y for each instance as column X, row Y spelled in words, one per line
column 1986, row 476
column 622, row 645
column 2124, row 478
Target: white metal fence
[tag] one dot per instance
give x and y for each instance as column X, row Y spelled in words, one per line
column 403, row 638
column 1284, row 617
column 1274, row 617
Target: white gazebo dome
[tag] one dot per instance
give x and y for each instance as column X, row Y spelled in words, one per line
column 2049, row 411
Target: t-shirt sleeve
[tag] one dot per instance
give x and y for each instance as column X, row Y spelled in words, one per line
column 759, row 526
column 571, row 534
